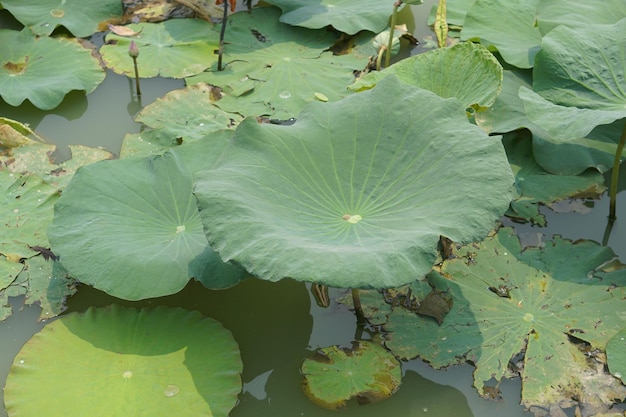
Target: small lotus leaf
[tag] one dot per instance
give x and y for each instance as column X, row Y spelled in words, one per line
column 27, row 209
column 616, row 355
column 137, row 223
column 366, row 372
column 43, row 70
column 507, row 302
column 357, row 192
column 43, row 16
column 174, row 48
column 348, row 16
column 189, row 113
column 508, row 25
column 124, row 362
column 466, row 71
column 273, row 69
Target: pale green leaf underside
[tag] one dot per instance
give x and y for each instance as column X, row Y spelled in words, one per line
column 356, row 193
column 466, row 71
column 121, row 362
column 43, row 70
column 509, row 25
column 43, row 16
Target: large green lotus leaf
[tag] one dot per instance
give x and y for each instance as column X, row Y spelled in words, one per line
column 583, row 67
column 507, row 301
column 189, row 113
column 174, row 48
column 356, row 193
column 149, row 142
column 578, row 13
column 348, row 16
column 136, row 223
column 367, row 372
column 616, row 355
column 119, row 361
column 273, row 69
column 43, row 16
column 27, row 209
column 536, row 186
column 466, row 71
column 508, row 25
column 43, row 70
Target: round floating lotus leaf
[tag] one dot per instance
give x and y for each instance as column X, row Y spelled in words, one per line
column 174, row 48
column 616, row 355
column 357, row 192
column 131, row 228
column 366, row 372
column 125, row 362
column 43, row 16
column 43, row 70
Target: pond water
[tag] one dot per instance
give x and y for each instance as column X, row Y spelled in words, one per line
column 276, row 325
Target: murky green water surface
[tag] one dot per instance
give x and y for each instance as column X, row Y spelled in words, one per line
column 276, row 325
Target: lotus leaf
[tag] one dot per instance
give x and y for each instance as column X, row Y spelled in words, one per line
column 466, row 71
column 27, row 211
column 348, row 16
column 137, row 223
column 14, row 134
column 535, row 185
column 507, row 301
column 356, row 193
column 578, row 13
column 274, row 69
column 174, row 48
column 188, row 113
column 43, row 70
column 366, row 372
column 120, row 362
column 579, row 86
column 616, row 355
column 508, row 25
column 43, row 16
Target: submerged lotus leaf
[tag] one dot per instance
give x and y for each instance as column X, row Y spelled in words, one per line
column 273, row 69
column 43, row 70
column 366, row 372
column 131, row 228
column 507, row 25
column 616, row 355
column 466, row 71
column 121, row 362
column 507, row 301
column 348, row 16
column 356, row 193
column 43, row 16
column 189, row 113
column 536, row 186
column 174, row 48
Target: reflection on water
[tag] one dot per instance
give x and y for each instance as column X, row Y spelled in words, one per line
column 100, row 119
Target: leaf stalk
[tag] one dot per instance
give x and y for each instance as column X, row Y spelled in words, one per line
column 615, row 175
